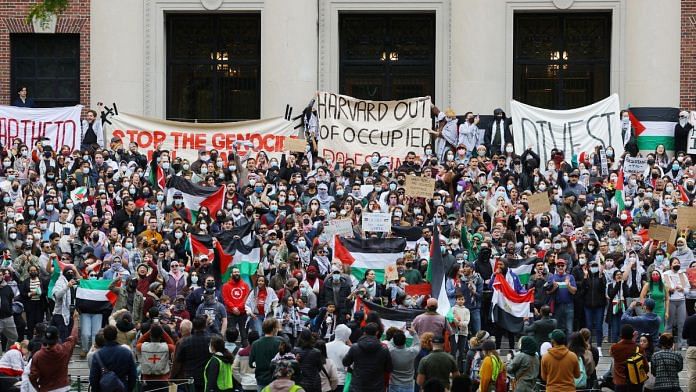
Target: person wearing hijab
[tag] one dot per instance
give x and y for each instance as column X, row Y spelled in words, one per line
column 524, row 367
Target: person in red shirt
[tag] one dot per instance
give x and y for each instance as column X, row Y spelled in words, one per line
column 49, row 366
column 234, row 295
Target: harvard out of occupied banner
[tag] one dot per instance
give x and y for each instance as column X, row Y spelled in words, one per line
column 185, row 139
column 573, row 131
column 61, row 126
column 355, row 128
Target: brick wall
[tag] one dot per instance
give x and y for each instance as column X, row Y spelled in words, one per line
column 76, row 19
column 687, row 82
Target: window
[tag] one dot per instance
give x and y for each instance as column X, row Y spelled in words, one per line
column 48, row 65
column 387, row 56
column 213, row 67
column 561, row 60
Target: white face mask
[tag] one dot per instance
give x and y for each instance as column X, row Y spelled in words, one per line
column 509, row 149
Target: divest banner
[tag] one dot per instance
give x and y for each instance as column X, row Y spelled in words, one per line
column 61, row 126
column 355, row 128
column 185, row 139
column 572, row 131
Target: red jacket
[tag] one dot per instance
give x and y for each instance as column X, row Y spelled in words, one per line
column 234, row 295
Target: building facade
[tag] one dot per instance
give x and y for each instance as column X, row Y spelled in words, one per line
column 221, row 60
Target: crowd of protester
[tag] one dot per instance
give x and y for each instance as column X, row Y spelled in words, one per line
column 598, row 276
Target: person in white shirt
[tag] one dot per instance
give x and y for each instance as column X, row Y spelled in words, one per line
column 677, row 283
column 337, row 349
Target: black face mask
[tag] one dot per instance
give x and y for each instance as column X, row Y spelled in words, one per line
column 33, row 274
column 211, row 285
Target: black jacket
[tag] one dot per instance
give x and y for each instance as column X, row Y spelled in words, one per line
column 310, row 366
column 369, row 360
column 6, row 298
column 541, row 329
column 593, row 287
column 192, row 354
column 342, row 303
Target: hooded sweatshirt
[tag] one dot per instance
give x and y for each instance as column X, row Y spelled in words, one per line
column 370, row 361
column 560, row 368
column 337, row 350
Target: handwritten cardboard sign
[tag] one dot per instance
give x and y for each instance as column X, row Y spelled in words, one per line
column 340, row 227
column 420, row 186
column 390, row 273
column 635, row 165
column 539, row 203
column 295, row 145
column 686, row 217
column 662, row 233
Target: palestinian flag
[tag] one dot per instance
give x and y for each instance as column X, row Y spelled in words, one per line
column 94, row 296
column 370, row 253
column 157, row 177
column 508, row 307
column 391, row 317
column 618, row 195
column 236, row 248
column 437, row 274
column 683, row 196
column 199, row 245
column 411, row 233
column 58, row 267
column 522, row 268
column 79, row 194
column 654, row 126
column 195, row 196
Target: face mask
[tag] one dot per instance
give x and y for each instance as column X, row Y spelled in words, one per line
column 428, row 151
column 301, row 243
column 203, row 226
column 6, row 199
column 676, row 267
column 85, row 170
column 69, row 206
column 416, row 211
column 298, row 210
column 659, row 258
column 292, row 198
column 460, row 188
column 374, row 160
column 599, row 209
column 557, row 246
column 194, row 279
column 582, row 261
column 130, row 229
column 542, row 187
column 178, row 235
column 594, row 270
column 13, row 236
column 11, row 178
column 49, row 207
column 509, row 149
column 609, row 265
column 450, row 157
column 165, row 166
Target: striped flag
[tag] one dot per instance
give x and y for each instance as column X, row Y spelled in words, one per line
column 508, row 307
column 411, row 233
column 391, row 317
column 94, row 296
column 437, row 273
column 371, row 253
column 618, row 195
column 196, row 196
column 523, row 269
column 654, row 126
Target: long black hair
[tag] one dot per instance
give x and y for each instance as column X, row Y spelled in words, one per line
column 218, row 344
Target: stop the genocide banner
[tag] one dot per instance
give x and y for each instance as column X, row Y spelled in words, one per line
column 356, row 128
column 61, row 126
column 185, row 139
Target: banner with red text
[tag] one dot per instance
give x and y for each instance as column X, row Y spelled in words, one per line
column 61, row 126
column 184, row 139
column 355, row 128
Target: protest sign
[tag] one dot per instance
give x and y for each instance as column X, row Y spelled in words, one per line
column 61, row 126
column 539, row 203
column 366, row 189
column 379, row 222
column 686, row 217
column 635, row 165
column 572, row 131
column 390, row 273
column 691, row 275
column 604, row 163
column 296, row 145
column 662, row 233
column 691, row 142
column 185, row 139
column 420, row 186
column 340, row 227
column 355, row 128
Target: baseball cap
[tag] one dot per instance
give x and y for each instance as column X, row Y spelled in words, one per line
column 438, row 339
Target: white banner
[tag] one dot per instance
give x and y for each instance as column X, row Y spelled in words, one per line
column 185, row 139
column 691, row 141
column 61, row 126
column 572, row 131
column 379, row 222
column 635, row 165
column 354, row 128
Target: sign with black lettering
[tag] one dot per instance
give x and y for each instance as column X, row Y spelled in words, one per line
column 573, row 131
column 354, row 128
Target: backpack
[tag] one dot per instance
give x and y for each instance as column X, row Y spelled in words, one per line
column 109, row 381
column 501, row 379
column 224, row 378
column 154, row 358
column 635, row 369
column 581, row 382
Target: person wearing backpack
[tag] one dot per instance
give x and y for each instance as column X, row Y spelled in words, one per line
column 113, row 368
column 559, row 366
column 621, row 352
column 156, row 349
column 438, row 364
column 578, row 345
column 218, row 370
column 492, row 373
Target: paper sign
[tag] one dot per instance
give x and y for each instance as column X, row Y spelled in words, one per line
column 379, row 222
column 691, row 274
column 603, row 161
column 390, row 273
column 662, row 233
column 539, row 203
column 420, row 186
column 686, row 217
column 340, row 227
column 366, row 189
column 635, row 165
column 296, row 145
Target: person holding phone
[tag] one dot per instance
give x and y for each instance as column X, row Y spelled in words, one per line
column 469, row 133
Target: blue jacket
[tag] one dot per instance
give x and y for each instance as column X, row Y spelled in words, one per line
column 116, row 358
column 646, row 323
